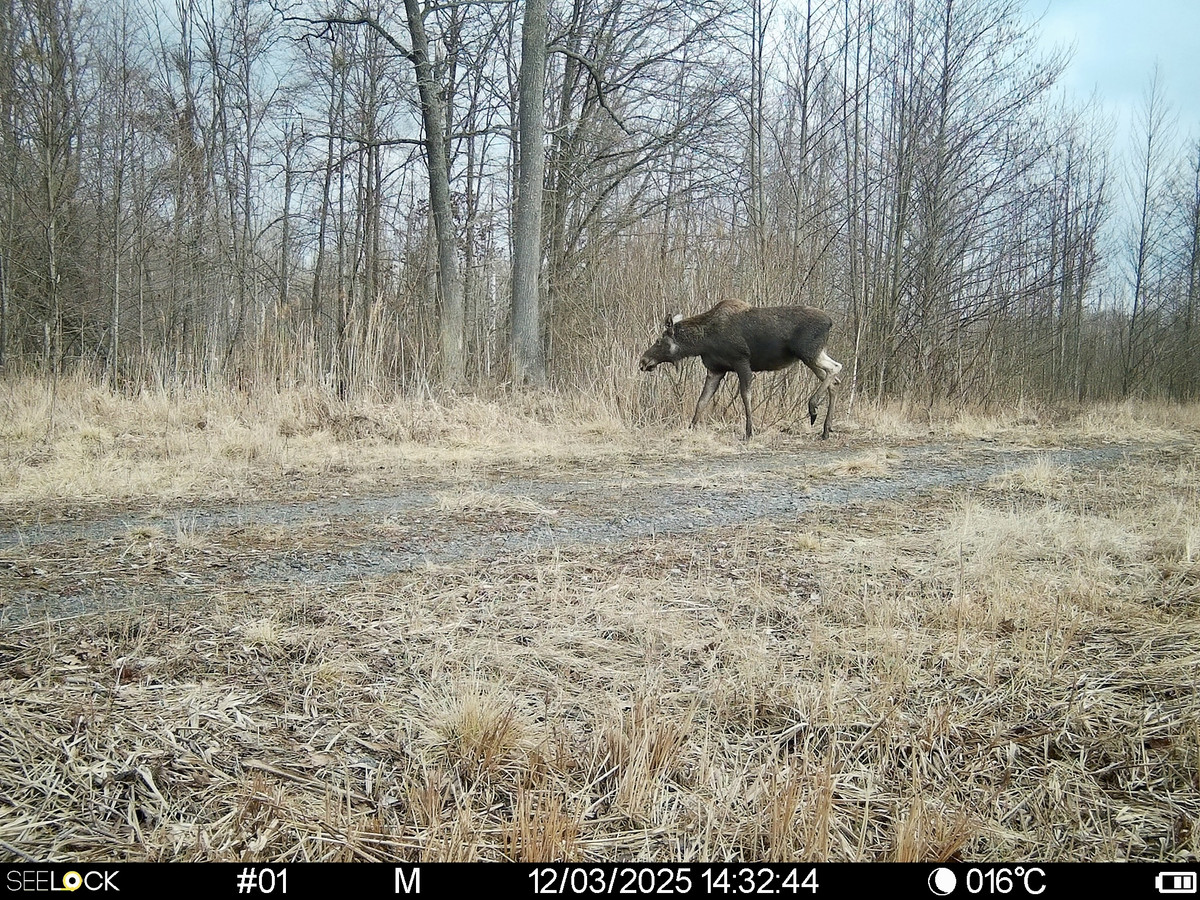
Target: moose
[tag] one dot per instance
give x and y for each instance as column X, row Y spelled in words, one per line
column 736, row 337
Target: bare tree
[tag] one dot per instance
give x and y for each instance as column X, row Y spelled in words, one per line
column 641, row 87
column 451, row 320
column 1146, row 195
column 48, row 78
column 8, row 166
column 1079, row 207
column 526, row 343
column 1184, row 291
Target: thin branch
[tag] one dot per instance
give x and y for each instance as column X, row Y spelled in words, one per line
column 327, row 23
column 596, row 78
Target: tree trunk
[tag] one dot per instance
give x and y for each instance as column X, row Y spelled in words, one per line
column 451, row 302
column 528, row 360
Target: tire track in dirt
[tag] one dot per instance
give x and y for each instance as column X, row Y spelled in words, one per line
column 658, row 499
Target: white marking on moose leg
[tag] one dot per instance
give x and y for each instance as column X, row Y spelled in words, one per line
column 830, row 365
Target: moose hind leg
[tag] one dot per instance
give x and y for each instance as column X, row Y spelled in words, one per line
column 745, row 376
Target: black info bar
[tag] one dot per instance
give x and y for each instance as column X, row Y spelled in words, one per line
column 1046, row 881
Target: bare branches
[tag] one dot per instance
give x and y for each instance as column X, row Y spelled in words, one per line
column 597, row 79
column 325, row 24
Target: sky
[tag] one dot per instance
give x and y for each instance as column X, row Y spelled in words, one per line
column 1116, row 44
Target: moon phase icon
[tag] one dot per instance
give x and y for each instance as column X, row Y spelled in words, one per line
column 942, row 881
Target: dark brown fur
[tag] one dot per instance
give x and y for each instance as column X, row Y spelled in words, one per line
column 735, row 337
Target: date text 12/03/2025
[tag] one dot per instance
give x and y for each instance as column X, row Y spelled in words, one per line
column 673, row 880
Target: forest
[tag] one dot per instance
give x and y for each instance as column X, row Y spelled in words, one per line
column 384, row 197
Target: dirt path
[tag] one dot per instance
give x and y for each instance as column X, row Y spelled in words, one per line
column 63, row 569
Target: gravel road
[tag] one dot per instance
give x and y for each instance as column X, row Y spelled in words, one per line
column 60, row 569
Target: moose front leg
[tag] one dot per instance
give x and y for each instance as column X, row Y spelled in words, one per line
column 828, row 413
column 711, row 383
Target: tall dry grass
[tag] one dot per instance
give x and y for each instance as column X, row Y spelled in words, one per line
column 81, row 441
column 87, row 443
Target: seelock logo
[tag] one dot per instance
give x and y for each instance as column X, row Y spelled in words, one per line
column 41, row 881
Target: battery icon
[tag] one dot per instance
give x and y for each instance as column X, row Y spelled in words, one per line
column 1175, row 882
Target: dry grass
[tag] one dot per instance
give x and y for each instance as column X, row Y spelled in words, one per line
column 872, row 464
column 88, row 445
column 84, row 444
column 1001, row 672
column 1043, row 478
column 1038, row 425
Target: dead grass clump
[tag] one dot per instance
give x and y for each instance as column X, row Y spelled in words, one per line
column 642, row 750
column 263, row 636
column 1142, row 421
column 1009, row 558
column 890, row 419
column 1044, row 478
column 1032, row 423
column 541, row 830
column 874, row 464
column 1026, row 421
column 471, row 502
column 475, row 729
column 799, row 812
column 927, row 832
column 907, row 420
column 748, row 692
column 88, row 443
